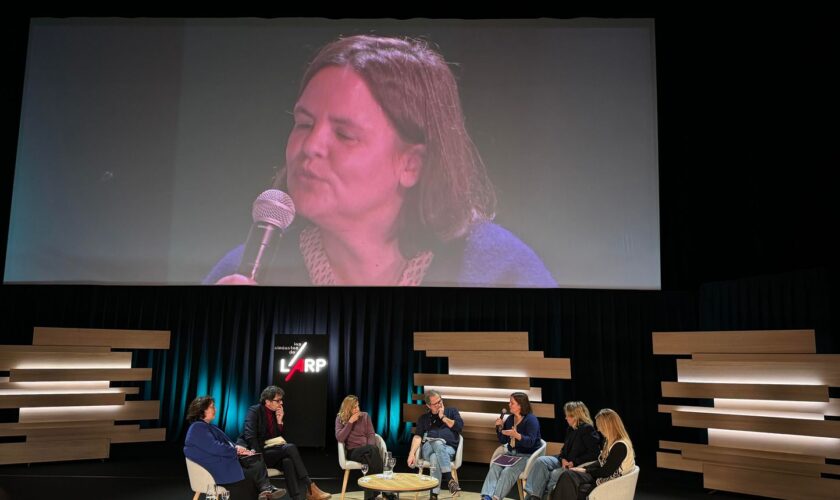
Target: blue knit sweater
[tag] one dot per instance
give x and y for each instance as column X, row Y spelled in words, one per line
column 487, row 256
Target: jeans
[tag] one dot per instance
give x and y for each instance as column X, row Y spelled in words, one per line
column 543, row 476
column 440, row 455
column 500, row 479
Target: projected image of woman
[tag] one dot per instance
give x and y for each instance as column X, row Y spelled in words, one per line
column 388, row 186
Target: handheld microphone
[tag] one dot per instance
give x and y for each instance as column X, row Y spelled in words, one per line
column 273, row 211
column 502, row 416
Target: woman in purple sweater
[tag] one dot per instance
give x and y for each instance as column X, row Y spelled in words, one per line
column 354, row 429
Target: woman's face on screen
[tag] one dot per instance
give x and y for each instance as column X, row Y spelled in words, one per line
column 346, row 163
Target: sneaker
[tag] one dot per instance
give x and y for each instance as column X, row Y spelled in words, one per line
column 433, row 496
column 454, row 487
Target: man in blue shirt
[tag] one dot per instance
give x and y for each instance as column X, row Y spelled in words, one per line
column 438, row 431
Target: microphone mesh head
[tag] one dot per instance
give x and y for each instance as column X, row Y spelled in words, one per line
column 274, row 207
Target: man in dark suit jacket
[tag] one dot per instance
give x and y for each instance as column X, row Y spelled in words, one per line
column 265, row 421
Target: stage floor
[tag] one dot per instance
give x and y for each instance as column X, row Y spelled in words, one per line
column 156, row 471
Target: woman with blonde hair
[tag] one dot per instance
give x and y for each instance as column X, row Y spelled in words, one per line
column 354, row 428
column 616, row 459
column 581, row 445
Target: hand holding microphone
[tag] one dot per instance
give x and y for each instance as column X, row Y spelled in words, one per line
column 501, row 420
column 273, row 211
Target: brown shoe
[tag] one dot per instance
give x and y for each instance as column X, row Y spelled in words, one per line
column 315, row 493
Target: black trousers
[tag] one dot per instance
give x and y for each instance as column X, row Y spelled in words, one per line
column 573, row 485
column 256, row 479
column 287, row 457
column 367, row 454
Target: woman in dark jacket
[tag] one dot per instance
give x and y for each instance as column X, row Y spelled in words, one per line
column 239, row 470
column 520, row 433
column 616, row 459
column 581, row 445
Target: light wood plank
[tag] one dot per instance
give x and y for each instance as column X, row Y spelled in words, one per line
column 124, row 433
column 116, row 339
column 142, row 436
column 131, row 410
column 47, row 451
column 471, row 341
column 51, row 385
column 479, row 451
column 45, row 359
column 710, row 455
column 782, row 443
column 553, row 448
column 473, row 420
column 63, row 428
column 95, row 431
column 80, row 374
column 36, row 400
column 479, row 433
column 487, row 355
column 11, row 388
column 412, row 412
column 556, row 368
column 677, row 462
column 747, row 341
column 500, row 396
column 745, row 391
column 770, row 484
column 743, row 452
column 774, row 425
column 54, row 348
column 776, row 372
column 769, row 357
column 543, row 410
column 830, row 408
column 482, row 381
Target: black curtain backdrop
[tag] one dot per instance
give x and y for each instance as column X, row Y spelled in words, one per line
column 221, row 338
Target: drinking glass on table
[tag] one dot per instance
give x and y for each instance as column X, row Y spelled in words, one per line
column 364, row 473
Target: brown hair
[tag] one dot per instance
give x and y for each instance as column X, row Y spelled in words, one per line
column 523, row 401
column 417, row 91
column 346, row 410
column 196, row 409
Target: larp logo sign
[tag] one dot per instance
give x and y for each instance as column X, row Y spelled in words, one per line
column 298, row 363
column 301, row 368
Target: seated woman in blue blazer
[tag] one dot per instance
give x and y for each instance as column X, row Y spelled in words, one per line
column 236, row 468
column 521, row 433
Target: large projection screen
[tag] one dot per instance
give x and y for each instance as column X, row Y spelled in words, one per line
column 144, row 142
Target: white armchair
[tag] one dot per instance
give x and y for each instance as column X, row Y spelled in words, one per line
column 456, row 462
column 200, row 479
column 520, row 483
column 620, row 488
column 348, row 465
